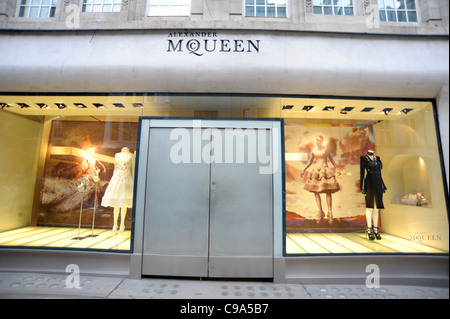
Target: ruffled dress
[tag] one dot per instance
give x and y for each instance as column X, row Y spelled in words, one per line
column 321, row 178
column 119, row 192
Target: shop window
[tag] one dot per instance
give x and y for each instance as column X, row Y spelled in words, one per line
column 398, row 10
column 333, row 7
column 37, row 8
column 169, row 8
column 101, row 5
column 266, row 8
column 326, row 146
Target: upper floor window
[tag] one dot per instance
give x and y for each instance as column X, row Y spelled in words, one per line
column 169, row 7
column 37, row 8
column 333, row 7
column 398, row 10
column 101, row 5
column 265, row 8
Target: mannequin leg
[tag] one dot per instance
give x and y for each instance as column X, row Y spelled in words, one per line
column 123, row 214
column 116, row 217
column 375, row 215
column 369, row 231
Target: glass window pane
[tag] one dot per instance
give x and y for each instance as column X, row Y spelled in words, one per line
column 348, row 11
column 391, row 16
column 261, row 2
column 34, row 12
column 281, row 12
column 327, row 2
column 389, row 4
column 401, row 15
column 328, row 10
column 317, row 2
column 338, row 11
column 35, row 2
column 347, row 3
column 249, row 1
column 412, row 16
column 411, row 4
column 97, row 8
column 250, row 11
column 401, row 4
column 382, row 15
column 317, row 10
column 271, row 11
column 45, row 2
column 44, row 12
column 260, row 11
column 116, row 8
column 381, row 4
column 337, row 2
column 107, row 8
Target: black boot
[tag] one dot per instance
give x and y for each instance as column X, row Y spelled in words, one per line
column 376, row 233
column 369, row 232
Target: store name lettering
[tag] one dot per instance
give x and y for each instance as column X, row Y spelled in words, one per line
column 200, row 43
column 425, row 237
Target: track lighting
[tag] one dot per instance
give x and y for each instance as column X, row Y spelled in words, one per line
column 287, row 107
column 43, row 106
column 387, row 110
column 308, row 108
column 406, row 111
column 61, row 105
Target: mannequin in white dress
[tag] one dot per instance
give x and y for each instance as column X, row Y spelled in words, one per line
column 119, row 193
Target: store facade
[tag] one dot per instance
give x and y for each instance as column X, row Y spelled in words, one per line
column 199, row 154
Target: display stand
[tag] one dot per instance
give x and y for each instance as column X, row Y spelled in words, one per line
column 82, row 188
column 96, row 179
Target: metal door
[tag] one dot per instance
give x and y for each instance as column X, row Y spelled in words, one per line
column 207, row 213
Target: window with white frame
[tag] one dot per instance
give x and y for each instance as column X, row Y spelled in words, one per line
column 101, row 5
column 398, row 10
column 333, row 7
column 169, row 7
column 266, row 8
column 37, row 8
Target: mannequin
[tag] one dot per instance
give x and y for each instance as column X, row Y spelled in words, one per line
column 119, row 193
column 372, row 186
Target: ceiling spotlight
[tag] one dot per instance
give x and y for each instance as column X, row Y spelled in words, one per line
column 3, row 105
column 99, row 105
column 346, row 109
column 61, row 105
column 406, row 111
column 138, row 105
column 119, row 105
column 387, row 110
column 23, row 105
column 287, row 107
column 367, row 109
column 308, row 108
column 328, row 108
column 43, row 106
column 80, row 105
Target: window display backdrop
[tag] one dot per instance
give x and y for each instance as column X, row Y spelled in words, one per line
column 81, row 159
column 334, row 173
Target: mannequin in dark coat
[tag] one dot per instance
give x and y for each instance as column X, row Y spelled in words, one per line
column 373, row 187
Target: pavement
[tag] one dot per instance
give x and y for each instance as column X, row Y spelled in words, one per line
column 59, row 286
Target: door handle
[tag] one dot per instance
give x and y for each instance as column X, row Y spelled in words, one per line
column 213, row 185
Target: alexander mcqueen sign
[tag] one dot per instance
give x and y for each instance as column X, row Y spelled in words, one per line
column 203, row 42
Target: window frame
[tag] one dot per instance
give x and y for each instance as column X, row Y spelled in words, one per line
column 334, row 8
column 265, row 6
column 102, row 4
column 396, row 10
column 167, row 3
column 28, row 5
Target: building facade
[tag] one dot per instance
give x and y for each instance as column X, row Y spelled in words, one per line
column 225, row 138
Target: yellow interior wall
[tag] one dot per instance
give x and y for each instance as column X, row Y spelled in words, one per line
column 20, row 140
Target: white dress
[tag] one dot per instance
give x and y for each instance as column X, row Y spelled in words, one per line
column 119, row 192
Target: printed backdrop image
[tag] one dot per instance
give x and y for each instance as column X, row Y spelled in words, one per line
column 322, row 177
column 77, row 152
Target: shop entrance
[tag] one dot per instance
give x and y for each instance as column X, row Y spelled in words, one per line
column 209, row 199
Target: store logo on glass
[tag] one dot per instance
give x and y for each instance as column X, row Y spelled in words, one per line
column 203, row 42
column 228, row 146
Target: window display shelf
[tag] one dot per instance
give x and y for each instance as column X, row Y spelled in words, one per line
column 352, row 243
column 63, row 237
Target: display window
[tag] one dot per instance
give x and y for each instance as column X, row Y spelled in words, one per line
column 360, row 176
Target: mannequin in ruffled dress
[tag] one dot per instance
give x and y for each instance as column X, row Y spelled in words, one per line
column 119, row 193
